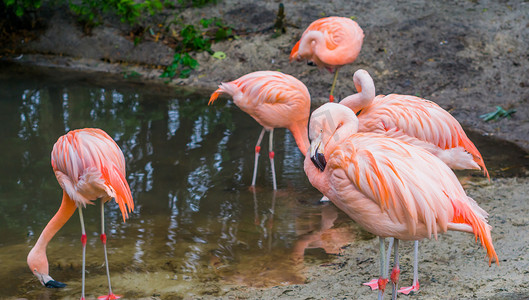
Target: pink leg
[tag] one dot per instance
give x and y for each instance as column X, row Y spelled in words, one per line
column 415, row 286
column 110, row 295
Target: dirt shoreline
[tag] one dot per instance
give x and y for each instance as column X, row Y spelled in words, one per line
column 467, row 56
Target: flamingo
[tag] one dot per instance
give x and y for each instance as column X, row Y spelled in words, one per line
column 417, row 121
column 88, row 165
column 329, row 43
column 390, row 187
column 274, row 100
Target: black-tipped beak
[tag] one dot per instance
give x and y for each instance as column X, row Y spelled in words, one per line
column 54, row 284
column 319, row 161
column 310, row 63
column 316, row 154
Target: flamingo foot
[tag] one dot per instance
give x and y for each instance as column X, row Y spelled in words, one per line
column 407, row 290
column 110, row 296
column 373, row 284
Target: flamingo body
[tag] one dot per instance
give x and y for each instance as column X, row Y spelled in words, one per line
column 89, row 165
column 415, row 120
column 274, row 100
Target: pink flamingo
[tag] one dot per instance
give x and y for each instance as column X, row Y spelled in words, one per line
column 419, row 122
column 415, row 120
column 274, row 100
column 88, row 165
column 330, row 43
column 390, row 187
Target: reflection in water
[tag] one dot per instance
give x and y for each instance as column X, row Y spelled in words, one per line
column 196, row 225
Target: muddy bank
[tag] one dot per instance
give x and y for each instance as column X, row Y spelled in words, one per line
column 467, row 56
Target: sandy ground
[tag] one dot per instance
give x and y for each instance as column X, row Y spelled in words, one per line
column 467, row 56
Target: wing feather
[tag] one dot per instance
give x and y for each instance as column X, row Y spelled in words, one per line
column 389, row 170
column 419, row 118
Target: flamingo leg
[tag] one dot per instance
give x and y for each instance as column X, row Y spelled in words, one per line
column 271, row 155
column 415, row 285
column 110, row 295
column 83, row 241
column 331, row 97
column 396, row 271
column 257, row 150
column 384, row 266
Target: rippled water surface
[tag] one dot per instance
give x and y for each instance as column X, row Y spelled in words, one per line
column 197, row 228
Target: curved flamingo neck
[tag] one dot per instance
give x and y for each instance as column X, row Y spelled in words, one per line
column 336, row 122
column 311, row 43
column 366, row 92
column 349, row 126
column 301, row 135
column 38, row 253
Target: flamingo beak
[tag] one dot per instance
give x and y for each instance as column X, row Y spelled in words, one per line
column 47, row 281
column 316, row 154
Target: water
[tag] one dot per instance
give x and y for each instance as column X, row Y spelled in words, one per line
column 197, row 229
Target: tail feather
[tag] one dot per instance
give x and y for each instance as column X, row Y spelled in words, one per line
column 214, row 96
column 471, row 148
column 229, row 88
column 294, row 52
column 468, row 212
column 117, row 181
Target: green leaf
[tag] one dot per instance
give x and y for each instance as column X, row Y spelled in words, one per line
column 219, row 55
column 19, row 11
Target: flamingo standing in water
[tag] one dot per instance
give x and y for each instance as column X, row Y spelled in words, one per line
column 88, row 165
column 390, row 187
column 419, row 122
column 274, row 100
column 329, row 42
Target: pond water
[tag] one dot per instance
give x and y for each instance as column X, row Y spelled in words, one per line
column 197, row 228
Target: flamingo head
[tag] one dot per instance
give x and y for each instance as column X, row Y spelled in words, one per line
column 329, row 125
column 38, row 264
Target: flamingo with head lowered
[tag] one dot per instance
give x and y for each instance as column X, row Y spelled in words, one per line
column 274, row 100
column 88, row 165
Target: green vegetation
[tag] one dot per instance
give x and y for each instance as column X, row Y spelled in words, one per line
column 90, row 12
column 188, row 38
column 194, row 40
column 21, row 6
